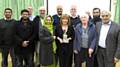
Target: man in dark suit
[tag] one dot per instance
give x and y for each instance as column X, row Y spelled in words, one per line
column 96, row 18
column 108, row 41
column 57, row 16
column 56, row 22
column 74, row 18
column 7, row 25
column 25, row 40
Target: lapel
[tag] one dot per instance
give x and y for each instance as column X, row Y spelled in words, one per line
column 99, row 27
column 110, row 29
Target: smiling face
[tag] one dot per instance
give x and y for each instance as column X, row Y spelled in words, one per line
column 25, row 15
column 84, row 18
column 73, row 10
column 42, row 11
column 59, row 10
column 105, row 16
column 8, row 13
column 65, row 20
column 48, row 20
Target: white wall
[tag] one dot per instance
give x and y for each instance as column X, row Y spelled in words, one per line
column 82, row 5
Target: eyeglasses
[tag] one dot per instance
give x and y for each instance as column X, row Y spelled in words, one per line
column 105, row 15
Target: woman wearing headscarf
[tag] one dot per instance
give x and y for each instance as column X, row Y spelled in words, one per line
column 46, row 42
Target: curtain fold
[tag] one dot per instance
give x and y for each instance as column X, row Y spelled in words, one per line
column 18, row 5
column 117, row 12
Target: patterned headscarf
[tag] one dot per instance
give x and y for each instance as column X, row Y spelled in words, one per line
column 48, row 23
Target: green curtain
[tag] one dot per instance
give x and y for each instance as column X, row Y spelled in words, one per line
column 18, row 5
column 117, row 12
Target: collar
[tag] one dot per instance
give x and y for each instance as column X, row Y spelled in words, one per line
column 74, row 16
column 58, row 15
column 109, row 23
column 6, row 18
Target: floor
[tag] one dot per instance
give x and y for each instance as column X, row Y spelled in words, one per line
column 9, row 65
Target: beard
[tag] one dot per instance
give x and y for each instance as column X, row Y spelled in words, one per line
column 96, row 18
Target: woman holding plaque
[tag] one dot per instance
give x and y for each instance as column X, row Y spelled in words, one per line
column 64, row 39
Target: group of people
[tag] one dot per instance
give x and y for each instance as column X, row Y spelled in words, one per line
column 59, row 39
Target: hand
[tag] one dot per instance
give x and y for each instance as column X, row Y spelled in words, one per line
column 90, row 51
column 25, row 43
column 87, row 12
column 75, row 51
column 69, row 38
column 61, row 41
column 116, row 60
column 54, row 37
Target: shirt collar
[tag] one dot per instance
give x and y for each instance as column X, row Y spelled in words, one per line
column 109, row 23
column 74, row 16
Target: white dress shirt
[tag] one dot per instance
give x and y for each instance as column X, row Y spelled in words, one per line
column 103, row 34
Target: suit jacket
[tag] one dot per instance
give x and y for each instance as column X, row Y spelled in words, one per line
column 91, row 37
column 56, row 19
column 112, row 40
column 25, row 33
column 38, row 27
column 59, row 33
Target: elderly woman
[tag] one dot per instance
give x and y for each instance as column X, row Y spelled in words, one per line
column 84, row 42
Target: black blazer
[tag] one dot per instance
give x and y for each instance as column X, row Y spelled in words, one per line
column 112, row 40
column 25, row 33
column 38, row 27
column 59, row 33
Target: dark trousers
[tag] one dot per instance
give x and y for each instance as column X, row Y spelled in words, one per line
column 65, row 56
column 95, row 61
column 25, row 60
column 102, row 58
column 5, row 51
column 83, row 56
column 56, row 57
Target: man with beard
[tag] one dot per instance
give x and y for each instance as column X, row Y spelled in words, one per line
column 96, row 15
column 39, row 21
column 25, row 40
column 7, row 25
column 96, row 18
